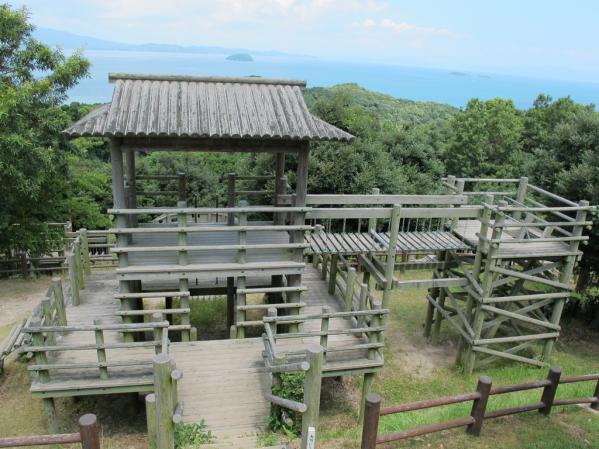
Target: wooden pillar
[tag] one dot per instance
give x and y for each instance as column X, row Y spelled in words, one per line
column 182, row 186
column 183, row 260
column 312, row 386
column 131, row 186
column 279, row 218
column 391, row 250
column 372, row 221
column 118, row 180
column 231, row 178
column 565, row 275
column 151, row 419
column 301, row 185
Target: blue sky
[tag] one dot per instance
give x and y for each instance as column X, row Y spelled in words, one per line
column 547, row 39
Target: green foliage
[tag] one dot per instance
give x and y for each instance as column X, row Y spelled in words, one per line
column 290, row 386
column 486, row 140
column 34, row 80
column 191, row 436
column 209, row 316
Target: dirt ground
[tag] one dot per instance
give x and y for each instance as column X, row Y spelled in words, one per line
column 19, row 296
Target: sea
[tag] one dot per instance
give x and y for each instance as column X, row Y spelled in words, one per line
column 422, row 84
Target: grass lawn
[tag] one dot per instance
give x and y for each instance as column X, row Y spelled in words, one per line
column 415, row 370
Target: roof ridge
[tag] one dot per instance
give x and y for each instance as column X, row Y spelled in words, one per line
column 206, row 79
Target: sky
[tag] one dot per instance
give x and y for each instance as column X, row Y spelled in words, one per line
column 546, row 39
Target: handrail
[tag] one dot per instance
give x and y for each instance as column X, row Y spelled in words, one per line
column 211, row 210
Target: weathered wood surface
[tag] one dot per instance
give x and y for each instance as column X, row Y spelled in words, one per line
column 363, row 242
column 468, row 230
column 97, row 303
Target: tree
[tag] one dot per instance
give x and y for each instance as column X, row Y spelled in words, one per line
column 34, row 80
column 486, row 140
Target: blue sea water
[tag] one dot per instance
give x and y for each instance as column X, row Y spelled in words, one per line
column 441, row 86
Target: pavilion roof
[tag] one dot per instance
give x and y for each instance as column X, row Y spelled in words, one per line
column 206, row 107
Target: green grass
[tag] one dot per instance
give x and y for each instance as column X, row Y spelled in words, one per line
column 577, row 352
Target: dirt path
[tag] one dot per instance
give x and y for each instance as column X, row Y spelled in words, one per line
column 19, row 296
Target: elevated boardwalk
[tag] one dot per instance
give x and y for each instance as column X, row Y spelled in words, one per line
column 224, row 381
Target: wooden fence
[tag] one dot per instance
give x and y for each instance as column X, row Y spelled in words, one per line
column 88, row 436
column 479, row 399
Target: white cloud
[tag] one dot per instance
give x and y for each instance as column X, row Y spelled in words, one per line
column 402, row 28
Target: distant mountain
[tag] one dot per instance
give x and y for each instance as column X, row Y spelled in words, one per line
column 69, row 40
column 242, row 57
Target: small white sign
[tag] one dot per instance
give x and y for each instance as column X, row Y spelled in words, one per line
column 311, row 438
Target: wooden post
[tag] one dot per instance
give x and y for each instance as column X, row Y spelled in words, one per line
column 230, row 301
column 24, row 265
column 158, row 331
column 521, row 196
column 565, row 275
column 88, row 429
column 479, row 406
column 349, row 288
column 324, row 328
column 79, row 265
column 362, row 303
column 391, row 250
column 165, row 434
column 459, row 190
column 372, row 221
column 61, row 314
column 325, row 266
column 241, row 297
column 549, row 391
column 131, row 197
column 280, row 185
column 333, row 273
column 487, row 289
column 312, row 385
column 73, row 280
column 151, row 419
column 231, row 177
column 87, row 266
column 182, row 186
column 183, row 260
column 370, row 428
column 47, row 313
column 37, row 338
column 366, row 388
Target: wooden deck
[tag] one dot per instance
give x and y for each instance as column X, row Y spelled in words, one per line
column 364, row 242
column 224, row 380
column 468, row 231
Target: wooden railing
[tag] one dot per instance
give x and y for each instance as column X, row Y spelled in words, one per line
column 44, row 341
column 479, row 399
column 88, row 436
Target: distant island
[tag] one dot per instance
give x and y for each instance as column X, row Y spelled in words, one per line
column 243, row 57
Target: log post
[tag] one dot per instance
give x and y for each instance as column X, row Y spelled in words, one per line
column 370, row 428
column 231, row 178
column 391, row 250
column 312, row 385
column 75, row 298
column 479, row 406
column 549, row 391
column 521, row 196
column 349, row 288
column 151, row 419
column 182, row 186
column 333, row 273
column 47, row 314
column 183, row 260
column 88, row 429
column 158, row 331
column 79, row 265
column 87, row 266
column 325, row 266
column 61, row 314
column 165, row 434
column 324, row 328
column 372, row 221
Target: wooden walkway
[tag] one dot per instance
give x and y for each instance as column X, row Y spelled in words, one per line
column 224, row 381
